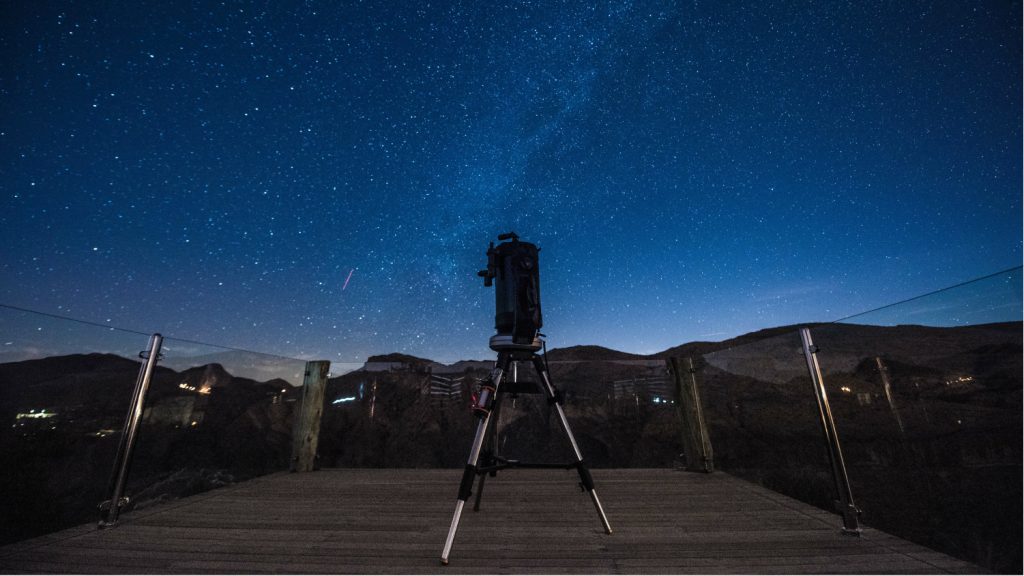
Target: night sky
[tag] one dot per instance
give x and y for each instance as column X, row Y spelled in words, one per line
column 322, row 180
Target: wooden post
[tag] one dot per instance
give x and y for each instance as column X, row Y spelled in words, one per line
column 696, row 442
column 306, row 430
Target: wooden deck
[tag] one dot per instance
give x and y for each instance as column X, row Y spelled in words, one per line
column 532, row 521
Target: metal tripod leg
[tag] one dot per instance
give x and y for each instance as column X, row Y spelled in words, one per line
column 491, row 439
column 479, row 492
column 585, row 477
column 466, row 487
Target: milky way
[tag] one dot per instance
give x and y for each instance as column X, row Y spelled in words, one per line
column 322, row 180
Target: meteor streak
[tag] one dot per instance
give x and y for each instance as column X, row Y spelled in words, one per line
column 345, row 285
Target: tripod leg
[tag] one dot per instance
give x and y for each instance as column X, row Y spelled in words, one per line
column 491, row 435
column 479, row 492
column 466, row 486
column 585, row 478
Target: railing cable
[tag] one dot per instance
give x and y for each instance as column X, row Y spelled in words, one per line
column 932, row 293
column 130, row 331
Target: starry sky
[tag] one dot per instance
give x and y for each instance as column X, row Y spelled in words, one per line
column 322, row 179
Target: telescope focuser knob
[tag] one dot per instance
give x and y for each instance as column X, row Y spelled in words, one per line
column 486, row 275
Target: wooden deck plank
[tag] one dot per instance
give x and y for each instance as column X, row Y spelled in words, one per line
column 533, row 521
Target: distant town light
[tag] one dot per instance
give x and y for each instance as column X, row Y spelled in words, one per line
column 205, row 389
column 33, row 414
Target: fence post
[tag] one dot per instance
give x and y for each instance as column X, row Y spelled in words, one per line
column 111, row 508
column 844, row 504
column 306, row 430
column 696, row 442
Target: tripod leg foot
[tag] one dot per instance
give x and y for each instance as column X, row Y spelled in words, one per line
column 451, row 532
column 600, row 512
column 587, row 481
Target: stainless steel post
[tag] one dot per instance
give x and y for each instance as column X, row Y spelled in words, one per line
column 845, row 504
column 119, row 476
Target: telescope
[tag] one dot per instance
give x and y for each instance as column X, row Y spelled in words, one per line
column 513, row 269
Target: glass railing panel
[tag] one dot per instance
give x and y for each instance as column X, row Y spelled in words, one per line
column 622, row 413
column 213, row 416
column 65, row 387
column 398, row 414
column 992, row 299
column 763, row 418
column 926, row 396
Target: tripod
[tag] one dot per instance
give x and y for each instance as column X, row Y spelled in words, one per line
column 486, row 429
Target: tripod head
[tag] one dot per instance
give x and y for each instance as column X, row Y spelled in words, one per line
column 517, row 316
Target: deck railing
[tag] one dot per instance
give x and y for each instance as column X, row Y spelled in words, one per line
column 926, row 400
column 908, row 417
column 86, row 425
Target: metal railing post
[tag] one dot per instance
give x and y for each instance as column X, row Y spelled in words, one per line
column 844, row 504
column 119, row 476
